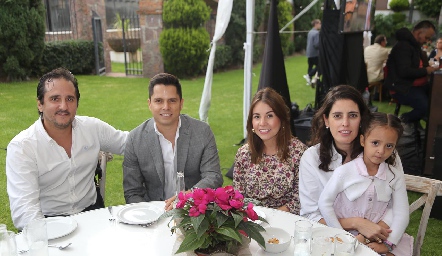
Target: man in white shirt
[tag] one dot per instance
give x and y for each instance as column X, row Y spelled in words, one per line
column 51, row 165
column 168, row 143
column 375, row 56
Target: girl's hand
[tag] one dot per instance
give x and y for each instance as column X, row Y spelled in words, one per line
column 372, row 230
column 378, row 247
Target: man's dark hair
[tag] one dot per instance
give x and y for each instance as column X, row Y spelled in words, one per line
column 379, row 39
column 424, row 24
column 166, row 79
column 55, row 74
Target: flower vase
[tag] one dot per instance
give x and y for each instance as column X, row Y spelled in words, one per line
column 222, row 249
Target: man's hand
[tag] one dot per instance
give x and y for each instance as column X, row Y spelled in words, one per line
column 431, row 69
column 169, row 203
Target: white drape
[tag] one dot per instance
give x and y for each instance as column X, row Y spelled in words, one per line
column 222, row 20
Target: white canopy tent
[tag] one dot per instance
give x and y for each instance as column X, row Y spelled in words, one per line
column 222, row 20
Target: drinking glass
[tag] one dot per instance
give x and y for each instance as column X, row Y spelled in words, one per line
column 322, row 246
column 37, row 237
column 303, row 237
column 345, row 245
column 8, row 246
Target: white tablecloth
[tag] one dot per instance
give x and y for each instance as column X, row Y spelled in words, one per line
column 96, row 235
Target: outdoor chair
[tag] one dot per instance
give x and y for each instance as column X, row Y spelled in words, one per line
column 103, row 158
column 429, row 188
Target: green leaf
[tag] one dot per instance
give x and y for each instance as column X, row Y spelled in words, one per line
column 196, row 221
column 253, row 231
column 202, row 228
column 238, row 218
column 221, row 218
column 230, row 232
column 190, row 242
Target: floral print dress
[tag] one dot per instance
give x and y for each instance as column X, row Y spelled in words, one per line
column 271, row 181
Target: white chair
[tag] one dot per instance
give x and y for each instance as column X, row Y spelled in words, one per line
column 429, row 188
column 103, row 158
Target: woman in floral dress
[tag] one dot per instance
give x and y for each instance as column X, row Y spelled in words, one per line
column 266, row 167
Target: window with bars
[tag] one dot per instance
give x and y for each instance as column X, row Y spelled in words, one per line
column 57, row 15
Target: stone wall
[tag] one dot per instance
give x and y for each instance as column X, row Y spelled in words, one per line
column 151, row 25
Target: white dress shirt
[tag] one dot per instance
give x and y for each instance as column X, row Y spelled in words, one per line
column 170, row 161
column 43, row 180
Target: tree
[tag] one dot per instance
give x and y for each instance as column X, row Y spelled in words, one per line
column 22, row 31
column 431, row 8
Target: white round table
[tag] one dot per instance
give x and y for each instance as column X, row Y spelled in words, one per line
column 96, row 235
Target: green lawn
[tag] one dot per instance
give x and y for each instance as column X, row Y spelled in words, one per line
column 122, row 102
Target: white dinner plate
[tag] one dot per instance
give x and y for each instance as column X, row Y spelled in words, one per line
column 141, row 213
column 327, row 232
column 260, row 214
column 60, row 226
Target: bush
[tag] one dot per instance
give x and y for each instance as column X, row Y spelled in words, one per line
column 184, row 43
column 223, row 57
column 22, row 33
column 77, row 56
column 184, row 50
column 388, row 24
column 285, row 15
column 399, row 5
column 185, row 13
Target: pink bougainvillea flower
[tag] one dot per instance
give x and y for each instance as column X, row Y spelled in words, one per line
column 202, row 208
column 242, row 232
column 251, row 213
column 199, row 197
column 237, row 204
column 229, row 189
column 221, row 197
column 194, row 212
column 210, row 195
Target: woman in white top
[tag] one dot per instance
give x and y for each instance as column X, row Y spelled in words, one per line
column 335, row 136
column 370, row 184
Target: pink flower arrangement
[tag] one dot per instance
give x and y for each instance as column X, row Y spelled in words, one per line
column 212, row 218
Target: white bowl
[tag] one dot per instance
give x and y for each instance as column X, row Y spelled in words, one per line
column 283, row 237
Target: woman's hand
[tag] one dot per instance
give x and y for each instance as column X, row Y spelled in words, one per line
column 284, row 208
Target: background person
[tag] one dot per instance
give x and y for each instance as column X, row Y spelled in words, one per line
column 436, row 53
column 266, row 167
column 335, row 139
column 375, row 56
column 165, row 144
column 370, row 184
column 51, row 165
column 312, row 51
column 408, row 68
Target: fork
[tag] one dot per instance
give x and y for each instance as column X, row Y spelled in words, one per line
column 60, row 247
column 112, row 218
